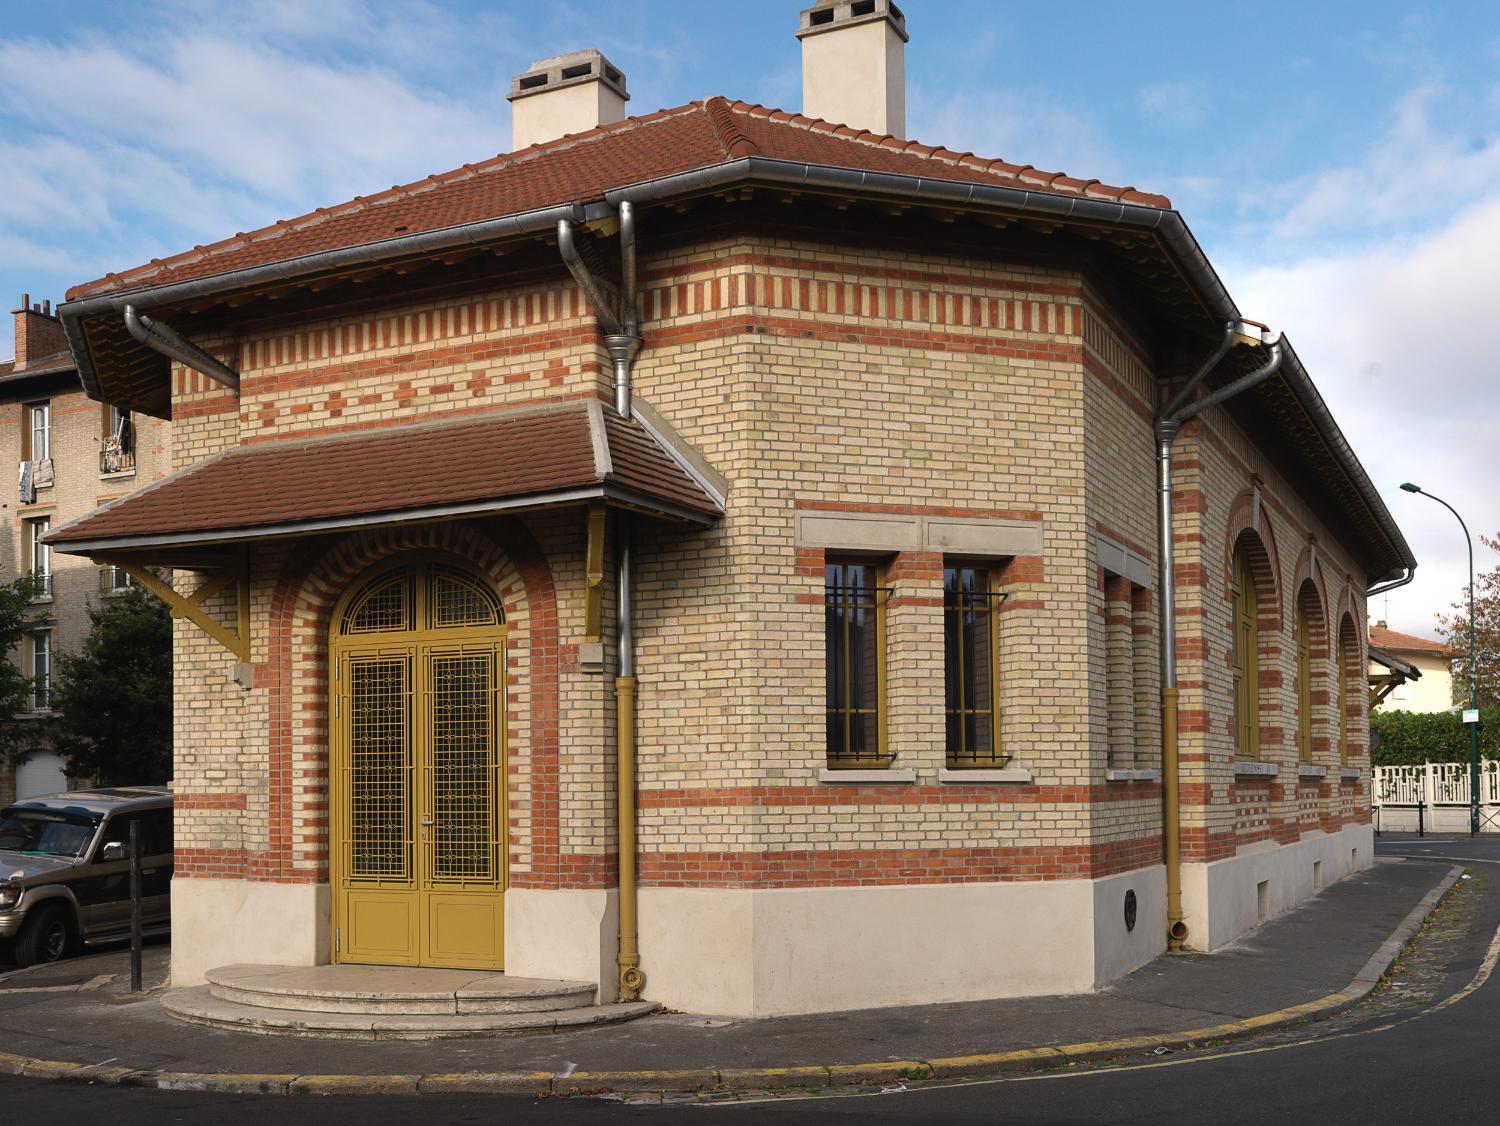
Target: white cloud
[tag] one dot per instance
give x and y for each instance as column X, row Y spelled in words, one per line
column 1400, row 338
column 1174, row 105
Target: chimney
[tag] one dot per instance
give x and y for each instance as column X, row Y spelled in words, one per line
column 854, row 64
column 564, row 94
column 39, row 333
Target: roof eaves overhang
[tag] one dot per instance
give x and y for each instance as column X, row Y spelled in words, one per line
column 1167, row 225
column 221, row 537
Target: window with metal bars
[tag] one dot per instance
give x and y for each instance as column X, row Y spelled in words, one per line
column 971, row 667
column 854, row 633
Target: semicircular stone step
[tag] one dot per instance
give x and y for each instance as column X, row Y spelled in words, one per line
column 393, row 990
column 199, row 1006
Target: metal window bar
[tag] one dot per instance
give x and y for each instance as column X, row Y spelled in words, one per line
column 971, row 672
column 855, row 642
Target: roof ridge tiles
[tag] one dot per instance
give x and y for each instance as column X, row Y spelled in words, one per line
column 724, row 118
column 395, row 192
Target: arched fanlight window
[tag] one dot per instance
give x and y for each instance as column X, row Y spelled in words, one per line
column 431, row 596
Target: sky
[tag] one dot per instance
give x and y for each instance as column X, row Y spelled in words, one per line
column 1339, row 161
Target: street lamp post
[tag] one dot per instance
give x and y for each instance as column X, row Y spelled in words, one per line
column 1473, row 719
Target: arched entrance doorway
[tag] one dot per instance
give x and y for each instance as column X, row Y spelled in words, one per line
column 417, row 767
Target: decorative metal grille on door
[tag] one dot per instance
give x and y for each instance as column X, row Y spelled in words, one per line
column 379, row 786
column 461, row 776
column 418, row 770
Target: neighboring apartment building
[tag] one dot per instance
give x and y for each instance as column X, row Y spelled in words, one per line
column 1433, row 690
column 72, row 453
column 720, row 546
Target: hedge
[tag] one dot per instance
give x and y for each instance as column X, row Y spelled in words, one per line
column 1412, row 738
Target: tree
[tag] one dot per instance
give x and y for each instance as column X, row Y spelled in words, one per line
column 1454, row 630
column 112, row 703
column 17, row 737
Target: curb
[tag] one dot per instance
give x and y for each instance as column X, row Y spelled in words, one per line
column 666, row 1082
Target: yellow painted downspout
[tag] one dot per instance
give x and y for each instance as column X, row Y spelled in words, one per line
column 1171, row 818
column 631, row 980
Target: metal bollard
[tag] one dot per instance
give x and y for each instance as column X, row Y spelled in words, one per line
column 135, row 905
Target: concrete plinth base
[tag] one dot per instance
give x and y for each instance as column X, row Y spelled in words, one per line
column 1224, row 899
column 217, row 922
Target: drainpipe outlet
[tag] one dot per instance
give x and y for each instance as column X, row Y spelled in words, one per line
column 622, row 352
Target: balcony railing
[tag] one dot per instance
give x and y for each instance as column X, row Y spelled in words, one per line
column 115, row 459
column 43, row 581
column 113, row 579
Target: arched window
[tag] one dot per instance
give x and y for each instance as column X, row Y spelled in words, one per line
column 1348, row 683
column 1309, row 639
column 1246, row 659
column 426, row 597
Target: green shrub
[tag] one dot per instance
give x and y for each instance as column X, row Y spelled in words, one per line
column 1412, row 738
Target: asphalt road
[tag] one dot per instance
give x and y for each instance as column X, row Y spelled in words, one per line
column 1422, row 1051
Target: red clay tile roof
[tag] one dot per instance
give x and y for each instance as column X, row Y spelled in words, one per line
column 382, row 476
column 1383, row 638
column 581, row 167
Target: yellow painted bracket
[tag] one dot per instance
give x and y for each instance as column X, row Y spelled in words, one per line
column 593, row 612
column 234, row 572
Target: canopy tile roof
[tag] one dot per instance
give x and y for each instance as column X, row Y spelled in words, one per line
column 582, row 166
column 571, row 450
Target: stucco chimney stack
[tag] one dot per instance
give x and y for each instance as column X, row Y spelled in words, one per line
column 854, row 64
column 570, row 93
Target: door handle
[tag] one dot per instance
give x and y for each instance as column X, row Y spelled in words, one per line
column 426, row 821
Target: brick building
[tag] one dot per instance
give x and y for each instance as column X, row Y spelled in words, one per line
column 73, row 453
column 721, row 546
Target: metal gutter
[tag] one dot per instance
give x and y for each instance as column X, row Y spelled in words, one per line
column 1168, row 225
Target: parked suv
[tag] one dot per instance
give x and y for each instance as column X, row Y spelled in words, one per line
column 65, row 868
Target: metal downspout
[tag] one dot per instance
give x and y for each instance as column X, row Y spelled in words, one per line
column 622, row 338
column 1168, row 423
column 162, row 338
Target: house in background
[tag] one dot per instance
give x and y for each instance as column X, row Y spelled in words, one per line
column 72, row 454
column 712, row 556
column 1430, row 691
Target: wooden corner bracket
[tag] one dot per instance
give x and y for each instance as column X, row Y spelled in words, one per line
column 233, row 571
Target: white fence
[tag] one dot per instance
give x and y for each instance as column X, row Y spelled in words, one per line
column 1434, row 797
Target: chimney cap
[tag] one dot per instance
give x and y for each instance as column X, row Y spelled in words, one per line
column 834, row 15
column 572, row 69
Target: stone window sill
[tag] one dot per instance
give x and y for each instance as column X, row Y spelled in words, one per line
column 120, row 475
column 1131, row 776
column 888, row 777
column 1350, row 773
column 1249, row 768
column 1010, row 775
column 1311, row 770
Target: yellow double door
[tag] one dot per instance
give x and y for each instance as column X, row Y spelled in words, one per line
column 418, row 801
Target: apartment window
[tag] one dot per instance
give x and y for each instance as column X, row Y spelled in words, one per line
column 117, row 442
column 1304, row 682
column 1246, row 660
column 971, row 667
column 41, row 670
column 854, row 641
column 41, row 555
column 37, row 436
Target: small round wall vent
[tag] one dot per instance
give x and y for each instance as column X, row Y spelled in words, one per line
column 1130, row 910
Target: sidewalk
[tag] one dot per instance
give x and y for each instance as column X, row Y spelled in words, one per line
column 1311, row 962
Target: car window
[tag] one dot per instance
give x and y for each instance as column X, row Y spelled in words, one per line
column 44, row 834
column 155, row 831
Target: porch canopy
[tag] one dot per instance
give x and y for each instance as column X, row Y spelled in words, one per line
column 574, row 451
column 205, row 518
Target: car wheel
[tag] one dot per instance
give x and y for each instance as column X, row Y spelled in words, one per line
column 46, row 936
